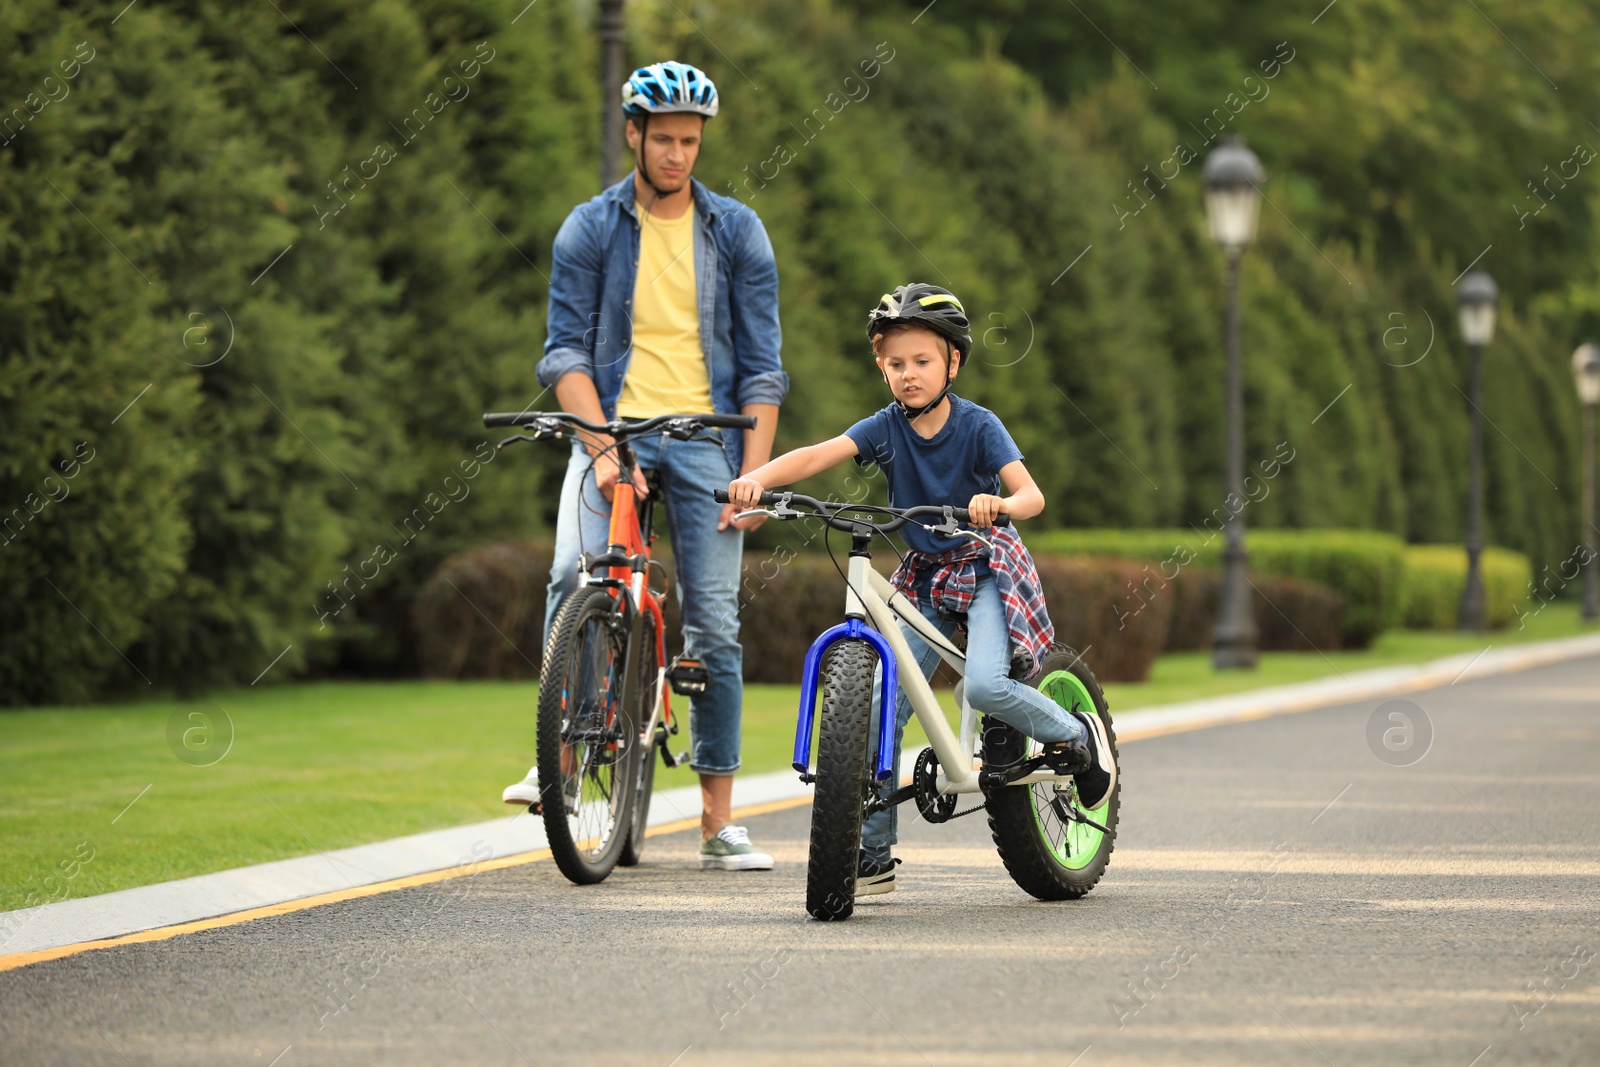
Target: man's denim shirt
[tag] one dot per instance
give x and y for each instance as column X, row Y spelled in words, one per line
column 592, row 277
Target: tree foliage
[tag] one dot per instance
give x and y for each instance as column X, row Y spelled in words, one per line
column 266, row 264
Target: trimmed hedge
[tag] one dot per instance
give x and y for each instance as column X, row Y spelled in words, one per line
column 1363, row 567
column 481, row 614
column 1436, row 575
column 1081, row 593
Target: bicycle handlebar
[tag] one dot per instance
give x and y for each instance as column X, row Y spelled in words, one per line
column 619, row 428
column 829, row 509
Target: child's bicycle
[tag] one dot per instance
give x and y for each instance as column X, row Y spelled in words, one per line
column 603, row 706
column 1052, row 846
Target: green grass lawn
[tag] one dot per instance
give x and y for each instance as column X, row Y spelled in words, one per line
column 326, row 765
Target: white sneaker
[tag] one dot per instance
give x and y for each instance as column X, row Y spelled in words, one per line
column 525, row 793
column 731, row 850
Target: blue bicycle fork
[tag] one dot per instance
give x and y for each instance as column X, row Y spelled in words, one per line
column 889, row 691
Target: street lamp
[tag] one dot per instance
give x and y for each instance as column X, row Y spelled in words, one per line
column 1232, row 177
column 1586, row 371
column 1476, row 297
column 612, row 55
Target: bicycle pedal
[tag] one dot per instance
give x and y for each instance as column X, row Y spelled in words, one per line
column 689, row 677
column 672, row 761
column 1069, row 757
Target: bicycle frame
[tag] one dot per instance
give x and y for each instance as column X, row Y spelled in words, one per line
column 626, row 564
column 869, row 598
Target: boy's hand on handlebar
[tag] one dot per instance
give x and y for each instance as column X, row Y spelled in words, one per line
column 983, row 508
column 742, row 493
column 745, row 492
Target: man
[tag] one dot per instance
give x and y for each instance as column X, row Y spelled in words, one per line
column 663, row 300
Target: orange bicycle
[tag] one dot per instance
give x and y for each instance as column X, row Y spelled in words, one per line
column 604, row 709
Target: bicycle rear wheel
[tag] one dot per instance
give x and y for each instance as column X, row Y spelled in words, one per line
column 649, row 674
column 1045, row 847
column 844, row 781
column 587, row 738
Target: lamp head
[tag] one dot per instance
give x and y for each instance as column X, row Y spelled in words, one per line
column 1232, row 176
column 1477, row 295
column 1586, row 372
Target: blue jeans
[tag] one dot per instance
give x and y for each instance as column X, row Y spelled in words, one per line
column 708, row 576
column 989, row 688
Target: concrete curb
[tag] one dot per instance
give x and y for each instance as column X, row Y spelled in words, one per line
column 130, row 911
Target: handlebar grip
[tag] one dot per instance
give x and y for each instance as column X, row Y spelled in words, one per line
column 962, row 515
column 509, row 418
column 767, row 499
column 732, row 422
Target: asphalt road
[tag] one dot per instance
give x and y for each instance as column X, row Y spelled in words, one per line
column 1279, row 895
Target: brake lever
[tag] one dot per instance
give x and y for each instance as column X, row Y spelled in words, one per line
column 541, row 432
column 782, row 510
column 950, row 529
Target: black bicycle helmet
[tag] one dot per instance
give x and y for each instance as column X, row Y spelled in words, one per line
column 926, row 305
column 932, row 307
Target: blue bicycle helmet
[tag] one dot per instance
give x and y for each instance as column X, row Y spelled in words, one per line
column 670, row 86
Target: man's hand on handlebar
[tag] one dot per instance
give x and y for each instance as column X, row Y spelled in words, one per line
column 606, row 472
column 743, row 493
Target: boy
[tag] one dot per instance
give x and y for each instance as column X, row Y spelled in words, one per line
column 935, row 448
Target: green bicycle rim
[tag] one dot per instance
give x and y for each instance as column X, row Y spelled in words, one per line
column 1080, row 842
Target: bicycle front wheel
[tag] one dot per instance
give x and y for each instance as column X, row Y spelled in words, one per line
column 1040, row 830
column 588, row 739
column 844, row 781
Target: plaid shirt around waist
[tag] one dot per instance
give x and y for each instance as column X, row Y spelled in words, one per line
column 955, row 580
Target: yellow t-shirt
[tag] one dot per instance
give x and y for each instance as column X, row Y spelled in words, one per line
column 668, row 372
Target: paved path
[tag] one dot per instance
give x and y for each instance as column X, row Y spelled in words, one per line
column 1280, row 895
column 51, row 930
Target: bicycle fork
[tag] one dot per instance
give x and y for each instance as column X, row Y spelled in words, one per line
column 853, row 628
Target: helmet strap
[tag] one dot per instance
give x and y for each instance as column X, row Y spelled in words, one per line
column 910, row 412
column 643, row 127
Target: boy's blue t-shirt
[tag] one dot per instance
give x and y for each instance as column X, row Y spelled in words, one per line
column 951, row 467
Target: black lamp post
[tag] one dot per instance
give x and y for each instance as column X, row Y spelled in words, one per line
column 1586, row 371
column 1477, row 295
column 611, row 76
column 1232, row 177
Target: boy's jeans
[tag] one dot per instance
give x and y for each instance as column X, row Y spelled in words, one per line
column 989, row 689
column 708, row 575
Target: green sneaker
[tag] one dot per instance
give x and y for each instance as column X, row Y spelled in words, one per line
column 731, row 850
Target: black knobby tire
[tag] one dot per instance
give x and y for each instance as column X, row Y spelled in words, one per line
column 1049, row 857
column 844, row 780
column 649, row 668
column 587, row 740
